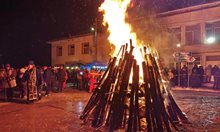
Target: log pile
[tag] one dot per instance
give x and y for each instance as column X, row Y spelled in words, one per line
column 122, row 101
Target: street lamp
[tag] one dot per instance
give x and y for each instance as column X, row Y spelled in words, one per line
column 178, row 45
column 92, row 29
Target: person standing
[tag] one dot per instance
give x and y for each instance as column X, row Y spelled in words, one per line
column 47, row 79
column 170, row 77
column 92, row 81
column 86, row 80
column 21, row 83
column 79, row 80
column 214, row 69
column 184, row 76
column 216, row 73
column 201, row 74
column 9, row 81
column 33, row 78
column 208, row 73
column 61, row 78
column 53, row 79
column 195, row 80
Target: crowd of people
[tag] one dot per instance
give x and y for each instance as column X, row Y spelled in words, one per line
column 194, row 77
column 31, row 80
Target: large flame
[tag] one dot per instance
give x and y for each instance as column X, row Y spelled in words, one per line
column 115, row 14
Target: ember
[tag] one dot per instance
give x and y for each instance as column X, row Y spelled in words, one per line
column 132, row 93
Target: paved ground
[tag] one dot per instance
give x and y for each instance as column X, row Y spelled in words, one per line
column 58, row 112
column 61, row 111
column 202, row 107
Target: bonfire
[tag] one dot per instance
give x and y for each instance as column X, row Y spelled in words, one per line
column 132, row 94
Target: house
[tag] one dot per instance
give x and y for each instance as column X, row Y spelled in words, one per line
column 194, row 30
column 79, row 49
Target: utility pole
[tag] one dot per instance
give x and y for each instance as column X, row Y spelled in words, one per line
column 94, row 30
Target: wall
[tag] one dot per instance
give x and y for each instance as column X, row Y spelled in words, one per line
column 190, row 16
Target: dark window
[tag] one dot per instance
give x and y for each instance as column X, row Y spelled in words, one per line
column 174, row 36
column 193, row 34
column 85, row 48
column 213, row 58
column 71, row 49
column 59, row 50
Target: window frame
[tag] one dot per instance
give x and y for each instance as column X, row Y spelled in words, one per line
column 85, row 48
column 71, row 51
column 175, row 36
column 59, row 51
column 194, row 32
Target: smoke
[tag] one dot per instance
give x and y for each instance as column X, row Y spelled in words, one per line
column 149, row 30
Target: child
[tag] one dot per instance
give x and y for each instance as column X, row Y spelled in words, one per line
column 92, row 82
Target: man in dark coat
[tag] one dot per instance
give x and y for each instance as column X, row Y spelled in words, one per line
column 61, row 78
column 201, row 73
column 86, row 80
column 195, row 80
column 47, row 79
column 175, row 74
column 184, row 76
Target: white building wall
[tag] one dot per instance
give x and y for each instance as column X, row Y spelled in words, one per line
column 201, row 14
column 98, row 51
column 78, row 57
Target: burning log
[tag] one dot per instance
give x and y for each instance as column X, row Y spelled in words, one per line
column 120, row 95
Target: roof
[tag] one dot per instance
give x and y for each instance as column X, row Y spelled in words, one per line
column 190, row 9
column 71, row 37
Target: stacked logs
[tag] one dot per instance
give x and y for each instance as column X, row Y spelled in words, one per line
column 118, row 103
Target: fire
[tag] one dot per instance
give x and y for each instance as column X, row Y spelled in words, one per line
column 115, row 14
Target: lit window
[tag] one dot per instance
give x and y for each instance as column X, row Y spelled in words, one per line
column 85, row 48
column 59, row 50
column 71, row 49
column 193, row 34
column 213, row 31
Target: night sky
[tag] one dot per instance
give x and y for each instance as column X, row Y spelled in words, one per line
column 26, row 25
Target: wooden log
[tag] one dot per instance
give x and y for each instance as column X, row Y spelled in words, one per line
column 131, row 120
column 100, row 108
column 155, row 101
column 177, row 110
column 161, row 103
column 99, row 94
column 116, row 87
column 137, row 126
column 147, row 98
column 119, row 107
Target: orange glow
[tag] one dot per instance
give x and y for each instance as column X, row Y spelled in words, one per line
column 114, row 12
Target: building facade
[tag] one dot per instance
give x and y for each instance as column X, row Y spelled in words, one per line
column 81, row 49
column 195, row 30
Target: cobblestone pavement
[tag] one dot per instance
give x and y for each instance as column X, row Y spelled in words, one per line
column 61, row 111
column 202, row 106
